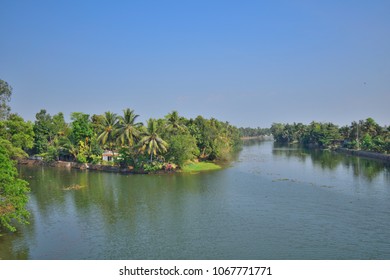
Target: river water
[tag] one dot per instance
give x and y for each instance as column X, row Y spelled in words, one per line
column 270, row 203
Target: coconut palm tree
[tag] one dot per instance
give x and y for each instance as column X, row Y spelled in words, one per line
column 152, row 142
column 128, row 130
column 109, row 126
column 173, row 122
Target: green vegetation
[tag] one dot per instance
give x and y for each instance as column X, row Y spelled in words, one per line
column 200, row 166
column 172, row 140
column 13, row 193
column 5, row 97
column 363, row 135
column 254, row 132
column 16, row 136
column 108, row 139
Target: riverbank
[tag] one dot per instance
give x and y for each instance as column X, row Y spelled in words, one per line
column 191, row 167
column 200, row 166
column 81, row 166
column 365, row 154
column 260, row 137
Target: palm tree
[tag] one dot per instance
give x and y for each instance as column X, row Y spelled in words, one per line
column 69, row 146
column 173, row 122
column 109, row 126
column 128, row 129
column 151, row 141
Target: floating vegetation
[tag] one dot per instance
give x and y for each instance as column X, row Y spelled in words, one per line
column 73, row 187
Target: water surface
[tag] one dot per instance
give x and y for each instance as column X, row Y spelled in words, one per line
column 271, row 203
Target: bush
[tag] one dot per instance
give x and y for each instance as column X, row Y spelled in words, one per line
column 182, row 148
column 153, row 166
column 81, row 158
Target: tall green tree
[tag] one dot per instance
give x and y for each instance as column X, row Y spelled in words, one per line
column 109, row 127
column 174, row 123
column 182, row 148
column 152, row 143
column 13, row 193
column 19, row 133
column 43, row 131
column 128, row 129
column 60, row 127
column 81, row 127
column 5, row 97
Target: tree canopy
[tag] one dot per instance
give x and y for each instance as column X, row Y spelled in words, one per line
column 13, row 193
column 5, row 97
column 364, row 134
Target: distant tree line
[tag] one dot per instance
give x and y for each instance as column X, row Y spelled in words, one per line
column 364, row 134
column 253, row 132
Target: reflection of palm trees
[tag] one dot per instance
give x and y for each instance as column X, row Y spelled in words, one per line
column 152, row 142
column 369, row 169
column 128, row 129
column 69, row 146
column 109, row 127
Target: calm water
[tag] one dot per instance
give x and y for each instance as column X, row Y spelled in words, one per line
column 271, row 203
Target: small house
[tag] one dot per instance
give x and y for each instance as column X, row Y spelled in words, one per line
column 109, row 155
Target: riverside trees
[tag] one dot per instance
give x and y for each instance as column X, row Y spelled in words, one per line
column 13, row 193
column 172, row 139
column 365, row 134
column 16, row 136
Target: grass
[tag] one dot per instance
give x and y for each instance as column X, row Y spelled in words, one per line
column 200, row 166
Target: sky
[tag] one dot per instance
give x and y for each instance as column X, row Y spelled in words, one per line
column 250, row 63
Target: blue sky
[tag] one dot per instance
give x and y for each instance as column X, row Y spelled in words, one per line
column 250, row 63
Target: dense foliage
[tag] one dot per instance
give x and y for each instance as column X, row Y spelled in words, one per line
column 171, row 140
column 164, row 143
column 16, row 137
column 13, row 193
column 254, row 132
column 5, row 96
column 365, row 135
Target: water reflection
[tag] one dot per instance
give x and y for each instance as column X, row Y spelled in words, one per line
column 325, row 159
column 275, row 202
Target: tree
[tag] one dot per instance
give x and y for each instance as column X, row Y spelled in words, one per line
column 370, row 127
column 277, row 130
column 5, row 97
column 13, row 193
column 19, row 133
column 128, row 129
column 152, row 142
column 60, row 127
column 182, row 148
column 81, row 127
column 173, row 123
column 109, row 127
column 43, row 132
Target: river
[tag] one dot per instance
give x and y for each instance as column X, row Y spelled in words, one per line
column 270, row 203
